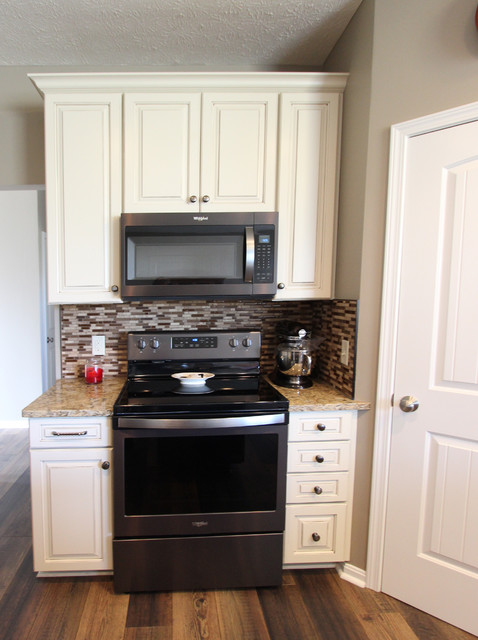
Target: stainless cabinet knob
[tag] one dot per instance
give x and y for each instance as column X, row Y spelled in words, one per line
column 114, row 288
column 205, row 198
column 315, row 537
column 409, row 404
column 193, row 199
column 318, row 490
column 281, row 285
column 105, row 465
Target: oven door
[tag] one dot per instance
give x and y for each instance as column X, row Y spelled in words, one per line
column 197, row 481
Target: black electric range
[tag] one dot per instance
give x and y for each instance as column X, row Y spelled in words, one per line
column 200, row 457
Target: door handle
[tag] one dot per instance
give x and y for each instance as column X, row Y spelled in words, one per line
column 409, row 404
column 250, row 252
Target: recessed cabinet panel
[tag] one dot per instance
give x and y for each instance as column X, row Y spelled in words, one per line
column 239, row 151
column 83, row 172
column 317, row 487
column 320, row 426
column 71, row 509
column 312, row 456
column 83, row 222
column 308, row 177
column 54, row 433
column 315, row 534
column 162, row 138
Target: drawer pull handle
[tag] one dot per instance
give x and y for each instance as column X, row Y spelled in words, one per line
column 320, row 426
column 319, row 458
column 105, row 465
column 74, row 433
column 318, row 490
column 315, row 537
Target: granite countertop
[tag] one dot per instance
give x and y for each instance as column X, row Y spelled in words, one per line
column 320, row 397
column 74, row 398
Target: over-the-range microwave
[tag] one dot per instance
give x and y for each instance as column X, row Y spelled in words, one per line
column 198, row 255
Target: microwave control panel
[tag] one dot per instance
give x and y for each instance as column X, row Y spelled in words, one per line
column 264, row 255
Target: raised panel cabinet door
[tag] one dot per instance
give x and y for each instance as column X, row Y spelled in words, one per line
column 239, row 152
column 308, row 178
column 83, row 197
column 161, row 152
column 71, row 509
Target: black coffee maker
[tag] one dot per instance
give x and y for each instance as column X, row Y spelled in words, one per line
column 293, row 356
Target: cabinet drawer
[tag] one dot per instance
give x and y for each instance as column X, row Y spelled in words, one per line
column 317, row 487
column 318, row 456
column 70, row 432
column 336, row 425
column 315, row 533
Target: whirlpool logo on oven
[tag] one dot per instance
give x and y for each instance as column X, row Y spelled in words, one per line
column 200, row 523
column 200, row 218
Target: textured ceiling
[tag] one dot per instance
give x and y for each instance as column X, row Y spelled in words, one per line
column 171, row 32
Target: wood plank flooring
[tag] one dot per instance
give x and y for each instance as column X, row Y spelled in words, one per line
column 310, row 604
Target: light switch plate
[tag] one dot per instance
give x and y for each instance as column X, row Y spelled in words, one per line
column 344, row 353
column 98, row 345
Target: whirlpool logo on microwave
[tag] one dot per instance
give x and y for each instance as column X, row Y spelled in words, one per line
column 200, row 218
column 200, row 523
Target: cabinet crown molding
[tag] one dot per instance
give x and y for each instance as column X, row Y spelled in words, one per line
column 158, row 81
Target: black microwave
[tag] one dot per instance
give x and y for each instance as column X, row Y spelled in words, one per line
column 195, row 255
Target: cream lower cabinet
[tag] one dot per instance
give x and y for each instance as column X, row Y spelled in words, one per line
column 208, row 152
column 71, row 488
column 308, row 187
column 320, row 478
column 83, row 197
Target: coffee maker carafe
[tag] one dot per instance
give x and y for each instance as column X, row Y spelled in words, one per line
column 293, row 356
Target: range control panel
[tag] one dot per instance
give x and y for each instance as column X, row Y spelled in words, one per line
column 194, row 345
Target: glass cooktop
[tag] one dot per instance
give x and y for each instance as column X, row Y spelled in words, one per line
column 218, row 394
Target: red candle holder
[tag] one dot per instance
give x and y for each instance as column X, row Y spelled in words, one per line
column 93, row 372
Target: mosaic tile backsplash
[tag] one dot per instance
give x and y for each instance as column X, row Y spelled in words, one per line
column 330, row 321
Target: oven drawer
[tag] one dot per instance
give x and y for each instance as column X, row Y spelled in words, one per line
column 317, row 487
column 318, row 456
column 315, row 534
column 332, row 425
column 70, row 432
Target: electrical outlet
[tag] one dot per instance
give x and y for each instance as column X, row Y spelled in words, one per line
column 98, row 345
column 344, row 353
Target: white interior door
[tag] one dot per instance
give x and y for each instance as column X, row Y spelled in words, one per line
column 431, row 531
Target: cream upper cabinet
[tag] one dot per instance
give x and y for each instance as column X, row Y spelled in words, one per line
column 198, row 142
column 161, row 152
column 209, row 152
column 83, row 197
column 308, row 183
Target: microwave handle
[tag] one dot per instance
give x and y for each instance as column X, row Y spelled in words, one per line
column 250, row 253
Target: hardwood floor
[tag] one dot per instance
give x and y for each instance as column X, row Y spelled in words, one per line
column 310, row 605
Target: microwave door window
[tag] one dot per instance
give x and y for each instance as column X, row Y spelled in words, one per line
column 185, row 258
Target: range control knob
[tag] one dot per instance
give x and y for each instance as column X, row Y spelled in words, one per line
column 234, row 342
column 141, row 344
column 154, row 344
column 247, row 342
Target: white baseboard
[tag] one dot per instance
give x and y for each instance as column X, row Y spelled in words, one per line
column 21, row 423
column 352, row 574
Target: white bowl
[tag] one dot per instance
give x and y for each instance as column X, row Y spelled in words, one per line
column 192, row 378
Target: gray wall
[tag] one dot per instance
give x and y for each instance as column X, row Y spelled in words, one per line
column 424, row 60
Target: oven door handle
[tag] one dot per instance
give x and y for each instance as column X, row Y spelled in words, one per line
column 250, row 253
column 200, row 423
